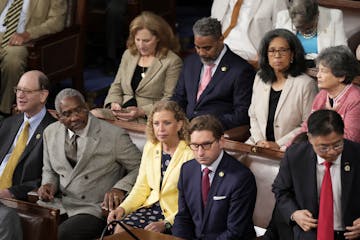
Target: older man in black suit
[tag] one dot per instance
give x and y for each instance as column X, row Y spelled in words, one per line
column 21, row 168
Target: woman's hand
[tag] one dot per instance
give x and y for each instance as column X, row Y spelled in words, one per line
column 129, row 113
column 116, row 214
column 156, row 227
column 268, row 144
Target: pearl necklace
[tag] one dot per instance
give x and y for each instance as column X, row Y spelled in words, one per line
column 309, row 35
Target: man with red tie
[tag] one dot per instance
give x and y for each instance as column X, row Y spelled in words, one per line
column 217, row 193
column 317, row 188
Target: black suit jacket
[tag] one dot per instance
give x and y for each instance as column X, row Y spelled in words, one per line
column 295, row 186
column 228, row 94
column 230, row 205
column 27, row 174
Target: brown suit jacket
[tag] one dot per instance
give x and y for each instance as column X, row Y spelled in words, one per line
column 43, row 16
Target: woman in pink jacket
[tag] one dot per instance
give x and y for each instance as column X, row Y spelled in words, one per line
column 337, row 69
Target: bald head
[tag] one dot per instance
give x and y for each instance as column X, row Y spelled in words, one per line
column 31, row 92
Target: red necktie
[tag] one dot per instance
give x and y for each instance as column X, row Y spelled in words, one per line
column 205, row 79
column 205, row 185
column 325, row 230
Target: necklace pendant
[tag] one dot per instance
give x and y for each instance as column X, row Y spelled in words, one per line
column 142, row 74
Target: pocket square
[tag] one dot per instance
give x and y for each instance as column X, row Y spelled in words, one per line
column 217, row 198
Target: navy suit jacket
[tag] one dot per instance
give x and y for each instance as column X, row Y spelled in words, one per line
column 295, row 186
column 230, row 205
column 228, row 94
column 27, row 174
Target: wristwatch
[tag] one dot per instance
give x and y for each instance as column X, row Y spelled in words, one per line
column 168, row 226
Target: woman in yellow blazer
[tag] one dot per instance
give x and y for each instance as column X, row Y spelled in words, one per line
column 148, row 71
column 153, row 201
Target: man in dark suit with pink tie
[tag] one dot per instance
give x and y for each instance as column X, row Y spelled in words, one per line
column 215, row 81
column 217, row 193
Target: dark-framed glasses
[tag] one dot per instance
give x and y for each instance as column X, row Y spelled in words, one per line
column 204, row 146
column 282, row 52
column 25, row 90
column 326, row 148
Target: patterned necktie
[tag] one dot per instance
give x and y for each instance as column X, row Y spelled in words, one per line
column 71, row 149
column 325, row 230
column 11, row 21
column 234, row 17
column 205, row 79
column 6, row 177
column 205, row 185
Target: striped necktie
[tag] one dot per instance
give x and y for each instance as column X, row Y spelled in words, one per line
column 7, row 175
column 11, row 21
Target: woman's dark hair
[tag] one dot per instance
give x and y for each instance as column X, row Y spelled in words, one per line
column 324, row 121
column 297, row 65
column 341, row 62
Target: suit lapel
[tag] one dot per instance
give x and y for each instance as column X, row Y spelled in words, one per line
column 311, row 181
column 175, row 160
column 37, row 135
column 283, row 96
column 217, row 181
column 129, row 72
column 32, row 5
column 8, row 141
column 346, row 179
column 195, row 79
column 324, row 37
column 90, row 141
column 156, row 167
column 218, row 76
column 150, row 73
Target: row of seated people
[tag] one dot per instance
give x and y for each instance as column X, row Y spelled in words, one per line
column 217, row 81
column 213, row 182
column 87, row 164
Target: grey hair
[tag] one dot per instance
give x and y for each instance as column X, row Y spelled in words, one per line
column 65, row 93
column 207, row 26
column 303, row 11
column 341, row 62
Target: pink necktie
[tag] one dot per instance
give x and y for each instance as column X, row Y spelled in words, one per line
column 205, row 79
column 325, row 230
column 205, row 185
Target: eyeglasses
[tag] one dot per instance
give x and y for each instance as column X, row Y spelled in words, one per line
column 281, row 51
column 77, row 111
column 25, row 91
column 204, row 146
column 326, row 148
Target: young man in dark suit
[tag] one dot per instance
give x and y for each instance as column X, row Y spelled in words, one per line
column 319, row 177
column 226, row 92
column 217, row 193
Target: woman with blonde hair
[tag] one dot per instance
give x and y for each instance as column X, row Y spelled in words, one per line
column 148, row 71
column 153, row 201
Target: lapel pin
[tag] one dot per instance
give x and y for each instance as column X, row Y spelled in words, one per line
column 223, row 69
column 347, row 167
column 38, row 136
column 221, row 174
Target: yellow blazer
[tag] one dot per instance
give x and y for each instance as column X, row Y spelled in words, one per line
column 43, row 16
column 147, row 191
column 158, row 84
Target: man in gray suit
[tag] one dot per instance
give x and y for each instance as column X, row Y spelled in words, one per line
column 88, row 164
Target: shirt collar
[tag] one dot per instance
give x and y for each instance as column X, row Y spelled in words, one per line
column 321, row 160
column 215, row 164
column 36, row 119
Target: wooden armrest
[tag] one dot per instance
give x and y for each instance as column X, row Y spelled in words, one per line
column 33, row 196
column 54, row 37
column 240, row 134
